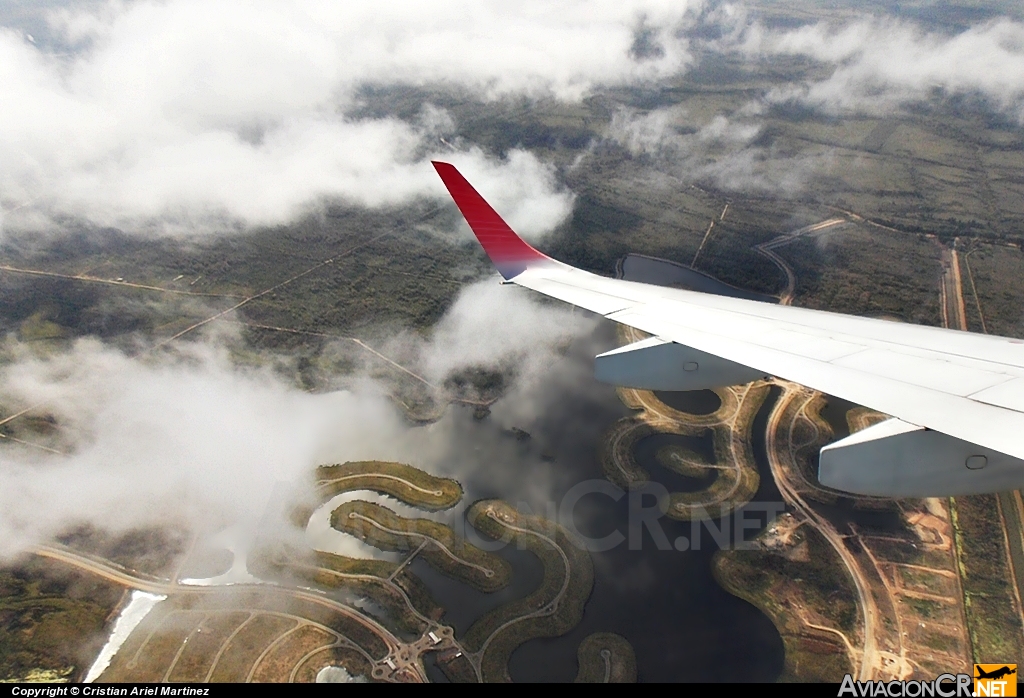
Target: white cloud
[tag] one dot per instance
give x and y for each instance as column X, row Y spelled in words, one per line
column 884, row 63
column 521, row 189
column 723, row 149
column 189, row 438
column 191, row 114
column 493, row 325
column 178, row 442
column 879, row 66
column 659, row 129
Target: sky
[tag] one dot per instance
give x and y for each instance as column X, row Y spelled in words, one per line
column 202, row 118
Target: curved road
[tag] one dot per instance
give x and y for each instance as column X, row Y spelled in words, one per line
column 117, row 575
column 869, row 657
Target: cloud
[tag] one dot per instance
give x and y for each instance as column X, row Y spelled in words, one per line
column 666, row 128
column 522, row 189
column 724, row 150
column 492, row 326
column 169, row 441
column 189, row 438
column 882, row 64
column 879, row 66
column 196, row 116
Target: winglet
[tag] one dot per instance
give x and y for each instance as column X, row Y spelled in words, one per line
column 509, row 252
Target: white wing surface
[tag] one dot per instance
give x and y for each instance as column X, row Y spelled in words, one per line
column 964, row 385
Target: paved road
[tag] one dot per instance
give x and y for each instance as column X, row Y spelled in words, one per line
column 869, row 654
column 768, row 250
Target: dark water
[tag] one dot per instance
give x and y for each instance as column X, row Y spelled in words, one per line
column 681, row 623
column 646, row 452
column 691, row 401
column 662, row 272
column 464, row 604
column 835, row 414
column 434, row 672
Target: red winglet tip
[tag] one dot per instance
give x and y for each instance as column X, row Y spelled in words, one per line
column 509, row 252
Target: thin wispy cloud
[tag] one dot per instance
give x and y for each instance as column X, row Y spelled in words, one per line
column 723, row 151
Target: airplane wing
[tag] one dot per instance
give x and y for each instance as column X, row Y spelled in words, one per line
column 956, row 398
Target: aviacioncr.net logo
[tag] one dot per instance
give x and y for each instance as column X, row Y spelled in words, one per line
column 945, row 686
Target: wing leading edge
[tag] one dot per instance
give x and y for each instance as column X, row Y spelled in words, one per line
column 966, row 386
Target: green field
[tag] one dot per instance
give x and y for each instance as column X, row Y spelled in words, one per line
column 52, row 620
column 766, row 579
column 993, row 613
column 606, row 658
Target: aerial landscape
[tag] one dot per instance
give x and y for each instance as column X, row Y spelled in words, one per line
column 268, row 413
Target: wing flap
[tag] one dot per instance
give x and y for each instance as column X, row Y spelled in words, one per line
column 1009, row 395
column 938, row 374
column 961, row 417
column 810, row 345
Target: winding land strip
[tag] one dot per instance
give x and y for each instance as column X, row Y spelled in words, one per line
column 425, row 540
column 737, row 475
column 606, row 658
column 549, row 611
column 403, row 482
column 436, row 542
column 482, row 655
